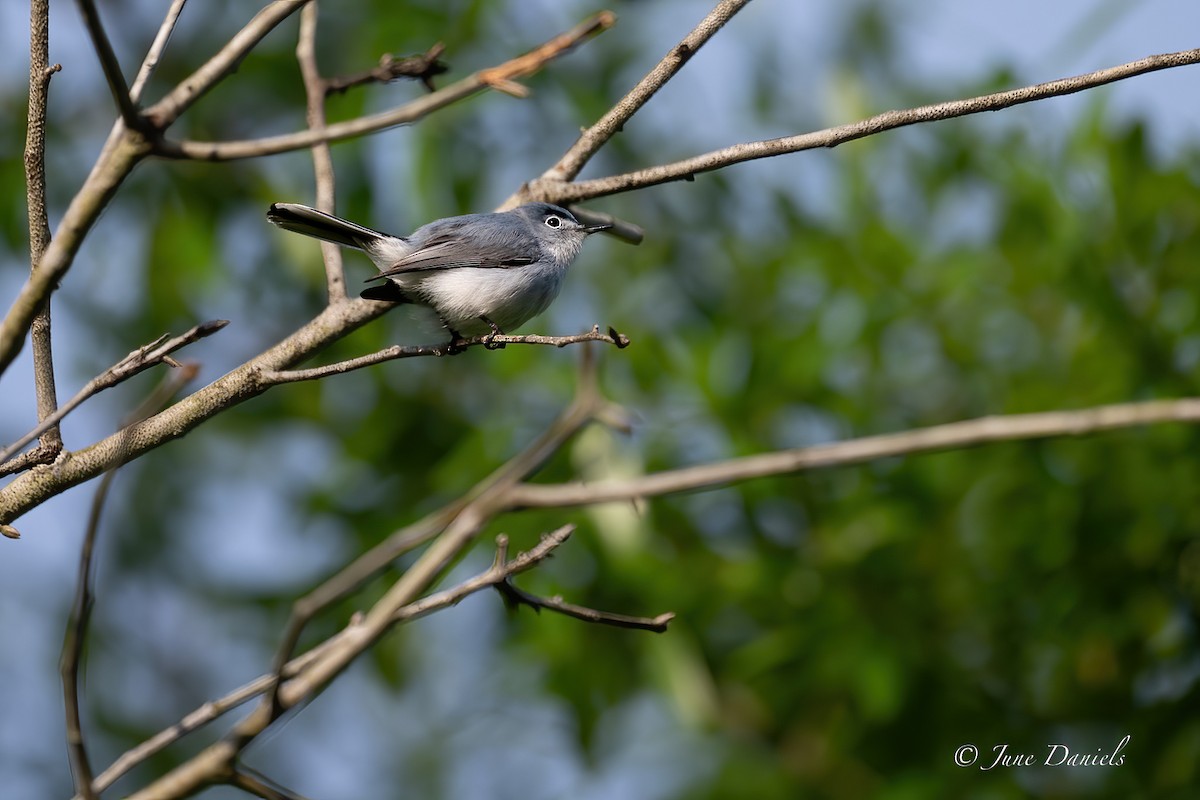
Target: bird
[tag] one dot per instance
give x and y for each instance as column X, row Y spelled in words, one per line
column 480, row 273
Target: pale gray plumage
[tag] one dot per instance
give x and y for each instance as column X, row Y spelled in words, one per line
column 480, row 272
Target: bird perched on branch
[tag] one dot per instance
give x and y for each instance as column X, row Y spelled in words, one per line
column 480, row 273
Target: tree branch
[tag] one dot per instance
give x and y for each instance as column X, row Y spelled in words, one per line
column 968, row 433
column 424, row 67
column 501, row 76
column 259, row 785
column 216, row 760
column 314, row 91
column 586, row 405
column 595, row 137
column 121, row 154
column 111, row 67
column 40, row 73
column 560, row 192
column 214, row 709
column 226, row 60
column 154, row 54
column 146, row 356
column 412, row 351
column 514, row 597
column 334, row 322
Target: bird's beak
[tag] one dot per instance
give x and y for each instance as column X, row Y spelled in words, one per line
column 590, row 229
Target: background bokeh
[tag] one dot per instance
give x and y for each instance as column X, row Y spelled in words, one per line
column 839, row 633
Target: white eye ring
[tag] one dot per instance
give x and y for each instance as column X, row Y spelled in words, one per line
column 553, row 221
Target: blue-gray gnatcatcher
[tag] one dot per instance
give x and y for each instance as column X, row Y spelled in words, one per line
column 480, row 273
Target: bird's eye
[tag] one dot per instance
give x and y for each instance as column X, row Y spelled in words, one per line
column 553, row 221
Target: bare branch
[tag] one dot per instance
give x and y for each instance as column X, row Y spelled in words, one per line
column 72, row 651
column 314, row 90
column 586, row 405
column 514, row 597
column 501, row 77
column 215, row 762
column 196, row 85
column 968, row 433
column 334, row 322
column 154, row 54
column 40, row 72
column 120, row 155
column 412, row 351
column 558, row 192
column 259, row 785
column 519, row 597
column 111, row 67
column 595, row 137
column 498, row 573
column 156, row 352
column 424, row 67
column 197, row 719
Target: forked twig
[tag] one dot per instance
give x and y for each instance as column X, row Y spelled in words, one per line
column 595, row 137
column 424, row 67
column 514, row 597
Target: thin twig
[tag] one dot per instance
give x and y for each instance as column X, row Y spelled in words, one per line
column 517, row 597
column 40, row 72
column 314, row 91
column 500, row 572
column 503, row 76
column 595, row 137
column 81, row 609
column 260, row 785
column 968, row 433
column 560, row 192
column 146, row 356
column 514, row 597
column 413, row 351
column 225, row 61
column 154, row 54
column 111, row 67
column 424, row 67
column 500, row 77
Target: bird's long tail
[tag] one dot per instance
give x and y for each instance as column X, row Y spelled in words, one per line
column 318, row 224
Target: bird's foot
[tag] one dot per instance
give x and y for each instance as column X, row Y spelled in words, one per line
column 490, row 342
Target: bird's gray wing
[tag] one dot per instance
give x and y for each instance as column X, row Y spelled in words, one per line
column 450, row 251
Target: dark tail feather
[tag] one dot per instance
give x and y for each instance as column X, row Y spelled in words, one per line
column 386, row 292
column 318, row 224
